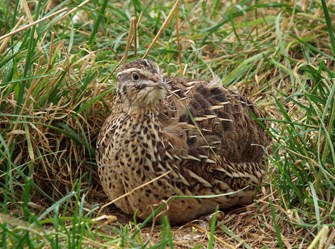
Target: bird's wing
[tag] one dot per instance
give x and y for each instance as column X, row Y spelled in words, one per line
column 217, row 129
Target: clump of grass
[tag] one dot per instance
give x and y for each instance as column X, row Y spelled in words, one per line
column 57, row 85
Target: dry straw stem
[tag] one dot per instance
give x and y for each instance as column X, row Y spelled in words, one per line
column 43, row 19
column 6, row 40
column 132, row 36
column 133, row 20
column 129, row 40
column 15, row 31
column 166, row 22
column 217, row 238
column 133, row 190
column 30, row 20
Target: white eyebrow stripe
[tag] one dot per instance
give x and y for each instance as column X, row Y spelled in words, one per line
column 130, row 70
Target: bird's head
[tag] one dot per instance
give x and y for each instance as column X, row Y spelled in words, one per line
column 140, row 84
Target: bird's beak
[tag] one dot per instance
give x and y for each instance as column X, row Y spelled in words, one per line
column 158, row 82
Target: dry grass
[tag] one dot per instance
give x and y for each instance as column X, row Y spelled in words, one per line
column 56, row 92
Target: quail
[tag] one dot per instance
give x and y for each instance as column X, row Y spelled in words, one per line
column 182, row 137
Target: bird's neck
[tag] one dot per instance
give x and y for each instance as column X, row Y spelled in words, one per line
column 139, row 111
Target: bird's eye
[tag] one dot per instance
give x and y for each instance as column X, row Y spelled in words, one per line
column 135, row 76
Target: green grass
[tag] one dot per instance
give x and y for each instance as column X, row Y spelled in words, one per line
column 57, row 83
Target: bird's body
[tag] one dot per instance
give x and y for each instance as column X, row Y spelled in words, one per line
column 200, row 137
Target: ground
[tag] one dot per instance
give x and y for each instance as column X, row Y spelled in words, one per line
column 57, row 81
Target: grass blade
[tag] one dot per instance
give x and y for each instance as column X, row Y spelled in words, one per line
column 98, row 22
column 275, row 223
column 329, row 26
